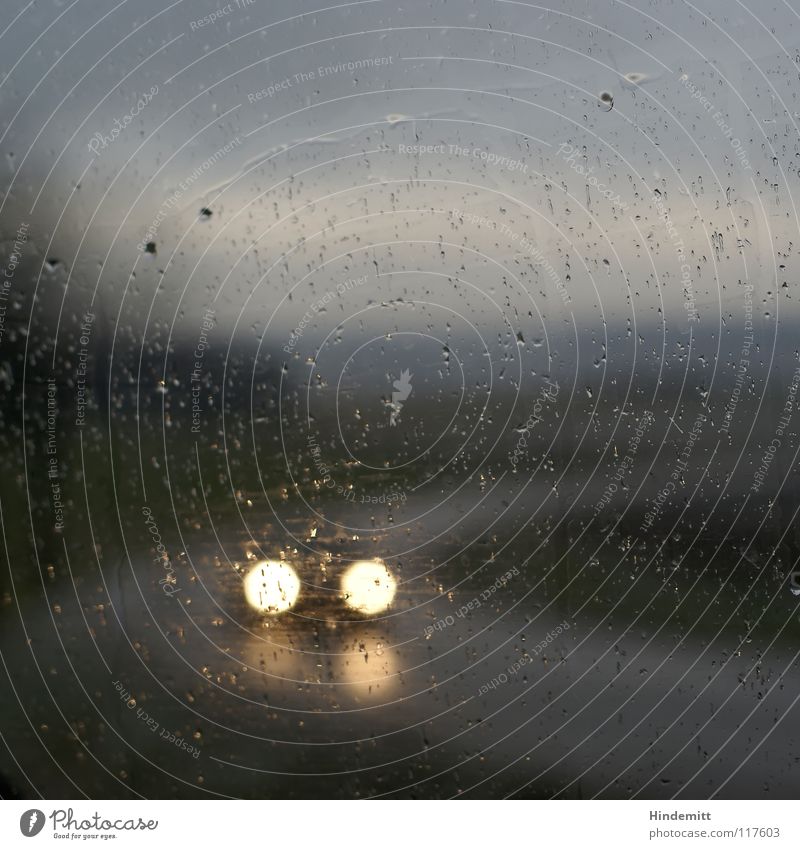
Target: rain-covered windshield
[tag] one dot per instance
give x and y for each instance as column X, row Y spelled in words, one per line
column 399, row 399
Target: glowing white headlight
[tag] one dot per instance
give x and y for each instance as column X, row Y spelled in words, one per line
column 368, row 586
column 271, row 586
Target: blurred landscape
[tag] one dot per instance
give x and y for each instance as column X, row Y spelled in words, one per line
column 254, row 327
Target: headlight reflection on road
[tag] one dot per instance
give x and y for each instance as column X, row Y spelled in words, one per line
column 271, row 586
column 368, row 586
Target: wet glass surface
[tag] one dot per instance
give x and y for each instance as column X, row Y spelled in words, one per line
column 399, row 401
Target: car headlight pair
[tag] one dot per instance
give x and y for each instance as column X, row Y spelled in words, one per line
column 272, row 586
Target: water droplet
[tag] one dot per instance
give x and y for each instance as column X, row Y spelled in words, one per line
column 635, row 77
column 605, row 101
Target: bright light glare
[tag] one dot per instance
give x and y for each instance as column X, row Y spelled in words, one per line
column 368, row 586
column 271, row 586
